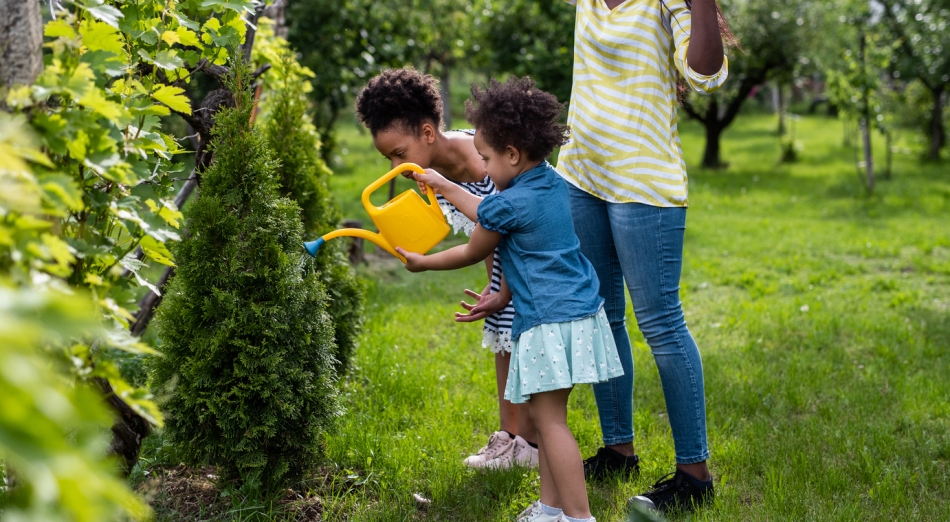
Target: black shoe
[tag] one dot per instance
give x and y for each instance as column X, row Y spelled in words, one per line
column 681, row 492
column 608, row 461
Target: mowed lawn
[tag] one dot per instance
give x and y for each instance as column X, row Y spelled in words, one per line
column 822, row 315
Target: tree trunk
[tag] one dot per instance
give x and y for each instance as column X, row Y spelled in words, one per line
column 277, row 12
column 781, row 110
column 129, row 429
column 937, row 133
column 21, row 42
column 866, row 120
column 711, row 158
column 446, row 93
column 888, row 140
column 868, row 155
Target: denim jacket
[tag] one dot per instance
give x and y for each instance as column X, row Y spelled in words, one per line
column 550, row 281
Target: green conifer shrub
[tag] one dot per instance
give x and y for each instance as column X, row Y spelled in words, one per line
column 247, row 342
column 303, row 175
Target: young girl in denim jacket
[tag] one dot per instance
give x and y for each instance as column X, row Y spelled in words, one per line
column 562, row 335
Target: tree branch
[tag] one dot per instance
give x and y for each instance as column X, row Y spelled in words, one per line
column 688, row 107
column 905, row 44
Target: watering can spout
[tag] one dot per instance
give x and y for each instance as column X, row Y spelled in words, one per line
column 314, row 246
column 405, row 220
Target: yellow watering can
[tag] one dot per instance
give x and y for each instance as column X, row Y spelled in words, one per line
column 405, row 221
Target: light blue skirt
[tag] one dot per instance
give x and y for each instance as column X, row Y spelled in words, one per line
column 559, row 355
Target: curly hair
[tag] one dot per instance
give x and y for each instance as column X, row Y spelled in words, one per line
column 519, row 114
column 400, row 97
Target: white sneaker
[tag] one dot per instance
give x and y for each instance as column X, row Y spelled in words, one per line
column 534, row 513
column 499, row 443
column 521, row 454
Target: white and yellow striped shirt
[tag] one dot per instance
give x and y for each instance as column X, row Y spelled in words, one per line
column 624, row 143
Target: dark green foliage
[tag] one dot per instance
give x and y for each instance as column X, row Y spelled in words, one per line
column 542, row 49
column 303, row 176
column 335, row 39
column 346, row 302
column 247, row 341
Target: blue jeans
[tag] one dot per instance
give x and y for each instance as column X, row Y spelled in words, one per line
column 643, row 245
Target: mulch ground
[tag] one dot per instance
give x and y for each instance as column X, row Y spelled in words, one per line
column 190, row 494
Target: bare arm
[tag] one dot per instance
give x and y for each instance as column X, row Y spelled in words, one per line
column 705, row 47
column 480, row 246
column 464, row 201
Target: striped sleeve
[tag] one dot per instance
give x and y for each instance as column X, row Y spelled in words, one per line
column 681, row 24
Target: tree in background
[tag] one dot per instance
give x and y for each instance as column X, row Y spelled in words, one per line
column 922, row 28
column 856, row 78
column 347, row 42
column 443, row 33
column 303, row 178
column 773, row 37
column 542, row 49
column 247, row 341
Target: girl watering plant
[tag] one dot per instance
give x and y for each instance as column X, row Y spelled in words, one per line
column 403, row 110
column 562, row 336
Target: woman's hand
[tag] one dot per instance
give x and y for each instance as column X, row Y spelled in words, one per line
column 488, row 303
column 414, row 262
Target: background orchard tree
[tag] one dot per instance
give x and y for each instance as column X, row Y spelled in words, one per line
column 856, row 76
column 772, row 36
column 347, row 43
column 542, row 49
column 922, row 28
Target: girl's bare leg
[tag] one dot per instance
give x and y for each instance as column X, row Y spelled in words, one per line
column 549, row 494
column 525, row 426
column 508, row 413
column 562, row 458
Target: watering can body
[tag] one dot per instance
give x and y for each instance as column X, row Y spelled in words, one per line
column 405, row 221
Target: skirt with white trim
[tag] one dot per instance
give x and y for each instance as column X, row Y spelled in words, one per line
column 559, row 355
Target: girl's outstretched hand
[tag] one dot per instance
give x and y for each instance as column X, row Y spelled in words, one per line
column 414, row 262
column 488, row 303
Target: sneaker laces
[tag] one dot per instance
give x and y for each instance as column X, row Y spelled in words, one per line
column 492, row 440
column 666, row 483
column 532, row 509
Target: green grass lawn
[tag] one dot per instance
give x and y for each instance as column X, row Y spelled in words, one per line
column 823, row 318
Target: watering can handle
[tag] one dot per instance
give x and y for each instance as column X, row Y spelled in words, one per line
column 371, row 209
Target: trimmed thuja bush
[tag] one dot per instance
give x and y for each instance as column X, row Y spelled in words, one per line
column 303, row 176
column 247, row 342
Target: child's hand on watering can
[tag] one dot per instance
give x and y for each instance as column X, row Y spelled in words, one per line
column 431, row 178
column 414, row 262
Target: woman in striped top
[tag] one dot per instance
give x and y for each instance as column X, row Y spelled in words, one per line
column 629, row 198
column 403, row 110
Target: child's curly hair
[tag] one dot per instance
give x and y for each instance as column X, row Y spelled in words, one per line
column 519, row 114
column 403, row 97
